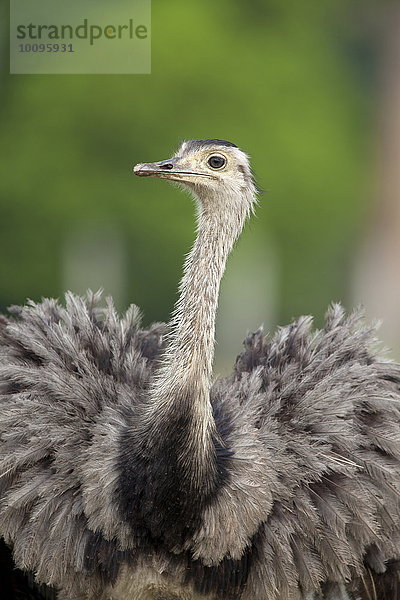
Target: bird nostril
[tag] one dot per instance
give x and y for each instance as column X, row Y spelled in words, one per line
column 167, row 166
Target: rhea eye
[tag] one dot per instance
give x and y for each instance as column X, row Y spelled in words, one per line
column 216, row 161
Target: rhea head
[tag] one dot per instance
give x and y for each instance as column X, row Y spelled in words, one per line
column 217, row 172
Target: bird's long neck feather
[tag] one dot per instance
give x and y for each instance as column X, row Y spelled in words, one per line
column 183, row 382
column 173, row 468
column 190, row 351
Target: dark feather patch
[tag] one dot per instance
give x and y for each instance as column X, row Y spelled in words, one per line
column 195, row 144
column 159, row 497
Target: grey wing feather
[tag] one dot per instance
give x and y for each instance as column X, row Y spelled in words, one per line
column 65, row 375
column 324, row 407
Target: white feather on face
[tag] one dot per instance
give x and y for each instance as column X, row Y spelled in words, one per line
column 218, row 173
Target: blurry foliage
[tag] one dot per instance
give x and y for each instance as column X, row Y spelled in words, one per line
column 277, row 78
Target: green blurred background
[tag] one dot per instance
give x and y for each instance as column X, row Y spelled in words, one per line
column 298, row 85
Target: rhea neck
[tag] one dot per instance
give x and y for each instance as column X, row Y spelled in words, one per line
column 182, row 385
column 175, row 468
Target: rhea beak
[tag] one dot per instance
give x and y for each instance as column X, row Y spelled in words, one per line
column 173, row 168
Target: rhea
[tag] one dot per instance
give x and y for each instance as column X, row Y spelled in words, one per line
column 127, row 473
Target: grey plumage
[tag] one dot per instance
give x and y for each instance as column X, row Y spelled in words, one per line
column 302, row 497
